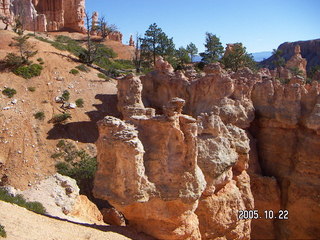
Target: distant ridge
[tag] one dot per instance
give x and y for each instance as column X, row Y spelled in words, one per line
column 310, row 50
column 260, row 56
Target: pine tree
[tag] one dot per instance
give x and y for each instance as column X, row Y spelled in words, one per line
column 214, row 49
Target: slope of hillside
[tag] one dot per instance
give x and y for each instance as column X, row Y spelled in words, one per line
column 123, row 51
column 22, row 224
column 27, row 143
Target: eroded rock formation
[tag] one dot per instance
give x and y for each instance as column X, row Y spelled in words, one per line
column 287, row 130
column 228, row 96
column 310, row 50
column 254, row 139
column 157, row 162
column 46, row 15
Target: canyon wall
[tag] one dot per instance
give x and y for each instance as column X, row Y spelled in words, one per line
column 46, row 15
column 287, row 128
column 174, row 176
column 247, row 142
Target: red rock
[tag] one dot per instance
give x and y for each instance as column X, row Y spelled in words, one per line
column 113, row 217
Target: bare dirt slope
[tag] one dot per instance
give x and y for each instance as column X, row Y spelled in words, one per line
column 26, row 144
column 21, row 224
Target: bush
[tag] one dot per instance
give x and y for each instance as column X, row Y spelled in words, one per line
column 13, row 61
column 79, row 102
column 60, row 118
column 32, row 89
column 2, row 232
column 74, row 71
column 77, row 164
column 66, row 95
column 40, row 60
column 9, row 92
column 61, row 143
column 83, row 68
column 39, row 115
column 43, row 39
column 20, row 201
column 101, row 75
column 28, row 72
column 67, row 44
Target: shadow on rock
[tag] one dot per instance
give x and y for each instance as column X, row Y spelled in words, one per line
column 87, row 131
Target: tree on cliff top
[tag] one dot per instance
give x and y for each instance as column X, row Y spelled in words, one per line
column 214, row 49
column 238, row 58
column 156, row 43
column 192, row 50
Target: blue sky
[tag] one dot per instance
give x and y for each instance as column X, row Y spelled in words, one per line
column 261, row 25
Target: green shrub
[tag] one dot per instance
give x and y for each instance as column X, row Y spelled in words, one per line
column 79, row 102
column 28, row 72
column 74, row 71
column 103, row 76
column 59, row 46
column 40, row 60
column 13, row 61
column 60, row 118
column 80, row 170
column 65, row 95
column 56, row 155
column 123, row 64
column 61, row 143
column 43, row 39
column 9, row 92
column 63, row 39
column 20, row 201
column 2, row 232
column 39, row 115
column 65, row 43
column 83, row 68
column 32, row 89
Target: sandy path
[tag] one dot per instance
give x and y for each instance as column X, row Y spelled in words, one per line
column 21, row 224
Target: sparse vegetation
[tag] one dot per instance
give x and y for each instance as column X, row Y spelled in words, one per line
column 31, row 89
column 13, row 61
column 313, row 71
column 296, row 72
column 40, row 60
column 20, row 201
column 2, row 232
column 66, row 95
column 74, row 71
column 83, row 68
column 103, row 76
column 60, row 118
column 77, row 164
column 39, row 115
column 28, row 71
column 80, row 102
column 9, row 92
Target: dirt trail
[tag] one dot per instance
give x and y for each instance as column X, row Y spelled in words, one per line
column 21, row 224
